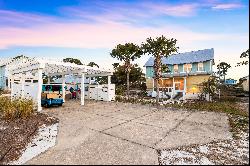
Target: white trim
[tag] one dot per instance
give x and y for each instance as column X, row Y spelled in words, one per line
column 39, row 90
column 177, row 68
column 200, row 63
column 63, row 89
column 210, row 65
column 82, row 89
column 109, row 82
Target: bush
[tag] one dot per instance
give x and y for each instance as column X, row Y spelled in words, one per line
column 229, row 99
column 17, row 108
column 120, row 90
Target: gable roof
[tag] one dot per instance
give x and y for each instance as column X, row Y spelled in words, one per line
column 187, row 57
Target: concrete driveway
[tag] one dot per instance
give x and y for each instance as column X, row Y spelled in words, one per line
column 124, row 133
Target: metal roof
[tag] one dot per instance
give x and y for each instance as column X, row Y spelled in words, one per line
column 187, row 57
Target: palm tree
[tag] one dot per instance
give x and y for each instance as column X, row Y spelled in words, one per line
column 245, row 56
column 126, row 53
column 159, row 47
column 222, row 69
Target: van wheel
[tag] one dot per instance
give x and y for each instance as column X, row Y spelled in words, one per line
column 46, row 105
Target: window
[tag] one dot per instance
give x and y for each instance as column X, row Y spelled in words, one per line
column 175, row 68
column 200, row 66
column 187, row 68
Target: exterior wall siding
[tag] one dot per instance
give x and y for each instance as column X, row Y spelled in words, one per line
column 194, row 81
column 180, row 68
column 206, row 66
column 149, row 83
column 194, row 67
column 171, row 68
column 149, row 72
column 2, row 77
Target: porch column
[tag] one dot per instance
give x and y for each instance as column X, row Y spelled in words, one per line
column 39, row 89
column 22, row 83
column 153, row 84
column 173, row 90
column 11, row 84
column 9, row 78
column 82, row 89
column 48, row 79
column 185, row 87
column 89, row 88
column 63, row 89
column 109, row 82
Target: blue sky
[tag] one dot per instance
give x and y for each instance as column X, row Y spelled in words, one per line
column 88, row 30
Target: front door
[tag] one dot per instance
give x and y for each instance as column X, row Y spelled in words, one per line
column 177, row 86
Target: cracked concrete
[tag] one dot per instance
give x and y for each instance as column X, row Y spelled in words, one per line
column 124, row 133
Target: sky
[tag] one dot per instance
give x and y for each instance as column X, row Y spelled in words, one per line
column 89, row 30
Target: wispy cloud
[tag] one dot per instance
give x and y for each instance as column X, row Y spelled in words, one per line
column 130, row 13
column 13, row 18
column 180, row 10
column 96, row 35
column 227, row 6
column 106, row 26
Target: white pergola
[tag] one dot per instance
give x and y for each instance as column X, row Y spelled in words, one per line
column 53, row 68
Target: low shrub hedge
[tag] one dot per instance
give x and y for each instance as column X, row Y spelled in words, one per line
column 16, row 108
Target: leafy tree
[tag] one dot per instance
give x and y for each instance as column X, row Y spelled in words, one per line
column 159, row 47
column 92, row 64
column 244, row 55
column 210, row 87
column 19, row 57
column 115, row 65
column 222, row 69
column 136, row 77
column 126, row 53
column 72, row 60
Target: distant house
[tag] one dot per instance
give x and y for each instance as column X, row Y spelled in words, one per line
column 245, row 83
column 186, row 71
column 230, row 81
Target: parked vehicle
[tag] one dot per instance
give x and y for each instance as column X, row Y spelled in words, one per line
column 51, row 102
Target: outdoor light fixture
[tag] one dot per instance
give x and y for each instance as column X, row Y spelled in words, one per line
column 193, row 88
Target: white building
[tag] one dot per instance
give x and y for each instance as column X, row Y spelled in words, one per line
column 25, row 78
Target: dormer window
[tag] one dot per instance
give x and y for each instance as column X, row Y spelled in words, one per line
column 187, row 68
column 200, row 66
column 175, row 68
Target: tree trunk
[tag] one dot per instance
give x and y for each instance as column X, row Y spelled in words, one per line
column 127, row 84
column 157, row 68
column 157, row 91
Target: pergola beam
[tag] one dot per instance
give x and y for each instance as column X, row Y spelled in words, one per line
column 51, row 68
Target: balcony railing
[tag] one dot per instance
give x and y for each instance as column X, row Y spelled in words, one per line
column 187, row 73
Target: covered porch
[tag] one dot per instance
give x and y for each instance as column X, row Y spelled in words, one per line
column 171, row 87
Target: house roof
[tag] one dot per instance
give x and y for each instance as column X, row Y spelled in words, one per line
column 186, row 57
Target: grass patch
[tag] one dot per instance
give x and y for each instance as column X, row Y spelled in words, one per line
column 220, row 106
column 16, row 108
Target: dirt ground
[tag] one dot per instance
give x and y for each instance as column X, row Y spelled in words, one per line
column 16, row 134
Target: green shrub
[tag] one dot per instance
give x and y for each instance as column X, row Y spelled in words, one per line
column 17, row 108
column 229, row 99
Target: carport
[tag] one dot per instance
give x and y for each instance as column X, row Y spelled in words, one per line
column 27, row 79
